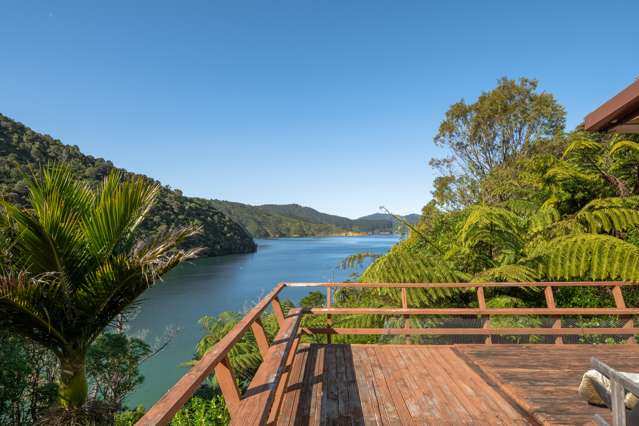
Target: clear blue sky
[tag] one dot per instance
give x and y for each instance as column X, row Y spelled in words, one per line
column 330, row 104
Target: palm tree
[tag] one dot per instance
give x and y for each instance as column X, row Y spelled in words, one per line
column 74, row 262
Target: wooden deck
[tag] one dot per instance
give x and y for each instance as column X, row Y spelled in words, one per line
column 466, row 384
column 443, row 385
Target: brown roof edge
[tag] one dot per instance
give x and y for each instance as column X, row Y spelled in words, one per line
column 622, row 107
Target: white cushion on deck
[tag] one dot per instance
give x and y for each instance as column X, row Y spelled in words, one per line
column 588, row 392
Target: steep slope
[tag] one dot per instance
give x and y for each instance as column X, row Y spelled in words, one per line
column 21, row 148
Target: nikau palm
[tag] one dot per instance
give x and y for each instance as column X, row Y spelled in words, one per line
column 74, row 261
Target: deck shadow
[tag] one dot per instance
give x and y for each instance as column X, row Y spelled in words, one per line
column 329, row 387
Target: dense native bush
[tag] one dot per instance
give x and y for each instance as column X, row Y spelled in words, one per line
column 29, row 374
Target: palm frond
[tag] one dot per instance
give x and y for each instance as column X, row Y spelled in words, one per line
column 120, row 207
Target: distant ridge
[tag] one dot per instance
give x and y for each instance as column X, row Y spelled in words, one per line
column 285, row 220
column 412, row 218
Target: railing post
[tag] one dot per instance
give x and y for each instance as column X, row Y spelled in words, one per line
column 617, row 395
column 620, row 303
column 406, row 316
column 329, row 317
column 226, row 379
column 260, row 336
column 277, row 310
column 485, row 319
column 550, row 302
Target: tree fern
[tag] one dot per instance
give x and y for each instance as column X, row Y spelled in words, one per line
column 590, row 257
column 492, row 225
column 407, row 266
column 507, row 273
column 624, row 145
column 581, row 147
column 543, row 218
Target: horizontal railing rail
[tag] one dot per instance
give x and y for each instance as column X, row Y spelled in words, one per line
column 262, row 399
column 483, row 312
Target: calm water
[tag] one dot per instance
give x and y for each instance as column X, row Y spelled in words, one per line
column 212, row 285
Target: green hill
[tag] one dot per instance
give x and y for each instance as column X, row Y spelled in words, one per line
column 21, row 148
column 286, row 220
column 267, row 223
column 413, row 218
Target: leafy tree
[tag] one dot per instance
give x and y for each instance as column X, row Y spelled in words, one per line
column 75, row 263
column 113, row 365
column 490, row 132
column 27, row 375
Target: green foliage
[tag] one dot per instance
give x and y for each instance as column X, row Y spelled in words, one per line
column 113, row 366
column 29, row 374
column 27, row 380
column 357, row 260
column 590, row 256
column 292, row 220
column 75, row 263
column 202, row 412
column 129, row 417
column 314, row 299
column 489, row 133
column 244, row 356
column 539, row 206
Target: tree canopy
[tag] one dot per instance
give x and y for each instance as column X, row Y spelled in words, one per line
column 480, row 136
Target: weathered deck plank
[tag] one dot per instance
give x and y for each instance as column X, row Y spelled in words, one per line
column 390, row 385
column 543, row 379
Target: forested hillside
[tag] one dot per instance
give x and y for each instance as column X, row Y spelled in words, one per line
column 21, row 148
column 263, row 223
column 287, row 220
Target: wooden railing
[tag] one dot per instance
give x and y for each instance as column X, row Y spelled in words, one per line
column 260, row 403
column 551, row 310
column 267, row 386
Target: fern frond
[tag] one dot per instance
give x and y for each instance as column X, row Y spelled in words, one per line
column 566, row 171
column 589, row 256
column 543, row 218
column 625, row 145
column 356, row 260
column 492, row 225
column 582, row 146
column 507, row 273
column 606, row 220
column 401, row 265
column 612, row 202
